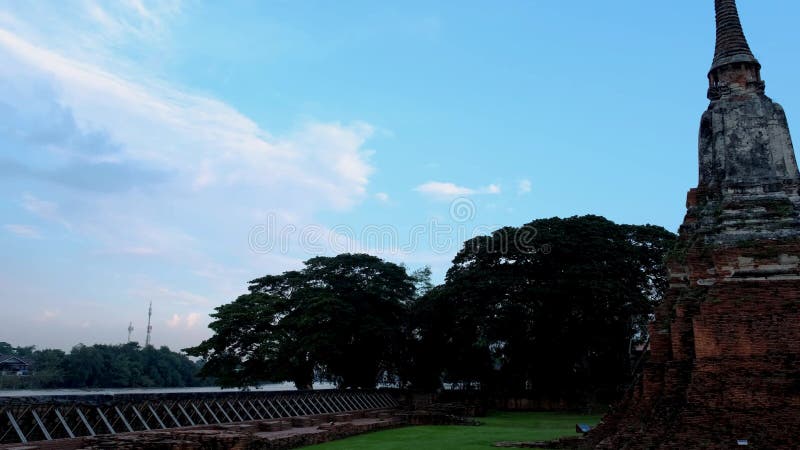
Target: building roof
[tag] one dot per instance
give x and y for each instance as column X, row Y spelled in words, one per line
column 11, row 358
column 732, row 44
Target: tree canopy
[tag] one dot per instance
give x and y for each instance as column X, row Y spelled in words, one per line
column 339, row 319
column 554, row 306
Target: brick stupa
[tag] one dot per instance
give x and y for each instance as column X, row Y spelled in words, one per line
column 724, row 362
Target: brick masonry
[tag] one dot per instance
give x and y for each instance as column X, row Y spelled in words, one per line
column 262, row 434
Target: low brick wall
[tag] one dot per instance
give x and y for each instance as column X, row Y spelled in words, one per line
column 263, row 434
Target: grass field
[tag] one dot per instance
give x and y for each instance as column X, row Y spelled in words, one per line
column 506, row 426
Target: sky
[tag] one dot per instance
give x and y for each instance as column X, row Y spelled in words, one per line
column 172, row 150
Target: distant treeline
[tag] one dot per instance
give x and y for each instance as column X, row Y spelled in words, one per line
column 102, row 366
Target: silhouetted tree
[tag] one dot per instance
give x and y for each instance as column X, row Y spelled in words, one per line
column 339, row 319
column 550, row 306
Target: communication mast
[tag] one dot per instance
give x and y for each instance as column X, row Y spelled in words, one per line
column 149, row 327
column 130, row 331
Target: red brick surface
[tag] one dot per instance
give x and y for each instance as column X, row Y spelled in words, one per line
column 725, row 350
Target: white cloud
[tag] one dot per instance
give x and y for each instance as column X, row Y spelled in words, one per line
column 186, row 134
column 134, row 166
column 448, row 191
column 174, row 321
column 188, row 321
column 492, row 189
column 212, row 162
column 382, row 197
column 192, row 319
column 24, row 231
column 524, row 187
column 441, row 190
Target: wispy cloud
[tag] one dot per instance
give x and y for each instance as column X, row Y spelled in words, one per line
column 132, row 165
column 47, row 315
column 134, row 251
column 524, row 187
column 492, row 189
column 447, row 191
column 201, row 140
column 102, row 132
column 192, row 319
column 93, row 26
column 174, row 321
column 187, row 321
column 382, row 197
column 442, row 190
column 44, row 209
column 25, row 231
column 162, row 295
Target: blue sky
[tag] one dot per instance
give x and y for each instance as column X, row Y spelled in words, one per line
column 170, row 151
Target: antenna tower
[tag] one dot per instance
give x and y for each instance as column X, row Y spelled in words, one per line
column 149, row 327
column 130, row 331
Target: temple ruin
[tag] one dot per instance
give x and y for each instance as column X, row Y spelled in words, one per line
column 724, row 365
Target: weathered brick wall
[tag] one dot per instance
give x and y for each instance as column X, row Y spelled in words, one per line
column 725, row 354
column 749, row 319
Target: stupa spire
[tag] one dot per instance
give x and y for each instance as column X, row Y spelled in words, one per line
column 732, row 44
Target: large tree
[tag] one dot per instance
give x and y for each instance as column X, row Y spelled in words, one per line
column 339, row 318
column 552, row 306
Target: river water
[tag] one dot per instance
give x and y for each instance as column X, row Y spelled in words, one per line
column 188, row 390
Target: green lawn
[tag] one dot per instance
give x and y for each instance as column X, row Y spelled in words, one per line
column 499, row 426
